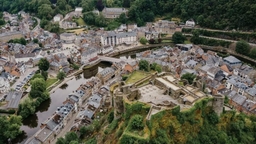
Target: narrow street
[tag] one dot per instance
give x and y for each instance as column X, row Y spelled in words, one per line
column 66, row 128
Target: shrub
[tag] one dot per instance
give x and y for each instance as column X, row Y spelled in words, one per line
column 137, row 122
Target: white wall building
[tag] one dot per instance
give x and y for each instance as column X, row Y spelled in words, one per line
column 4, row 85
column 190, row 23
column 113, row 39
column 57, row 18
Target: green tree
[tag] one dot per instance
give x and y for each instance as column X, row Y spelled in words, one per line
column 44, row 74
column 35, row 40
column 122, row 18
column 100, row 5
column 23, row 41
column 43, row 64
column 45, row 11
column 38, row 87
column 158, row 68
column 253, row 53
column 178, row 38
column 143, row 40
column 144, row 65
column 36, row 76
column 61, row 75
column 188, row 76
column 137, row 122
column 111, row 117
column 61, row 140
column 85, row 130
column 71, row 136
column 242, row 47
column 10, row 127
column 153, row 66
column 26, row 108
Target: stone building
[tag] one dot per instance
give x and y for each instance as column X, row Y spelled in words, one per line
column 112, row 13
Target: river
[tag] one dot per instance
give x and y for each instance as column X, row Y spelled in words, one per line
column 32, row 124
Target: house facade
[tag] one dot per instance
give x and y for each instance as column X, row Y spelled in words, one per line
column 113, row 39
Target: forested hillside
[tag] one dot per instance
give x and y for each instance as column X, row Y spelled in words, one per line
column 221, row 14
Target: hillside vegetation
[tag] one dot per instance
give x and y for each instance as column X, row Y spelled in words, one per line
column 199, row 124
column 221, row 14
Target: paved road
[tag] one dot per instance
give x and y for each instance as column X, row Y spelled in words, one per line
column 227, row 31
column 27, row 72
column 38, row 24
column 252, row 44
column 66, row 128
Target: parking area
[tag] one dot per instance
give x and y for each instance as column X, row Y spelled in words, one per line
column 19, row 84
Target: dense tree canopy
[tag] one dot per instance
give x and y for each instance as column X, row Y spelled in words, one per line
column 144, row 65
column 61, row 75
column 178, row 38
column 43, row 64
column 9, row 127
column 242, row 47
column 188, row 76
column 221, row 14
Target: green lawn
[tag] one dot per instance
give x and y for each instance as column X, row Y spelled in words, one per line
column 49, row 82
column 166, row 41
column 187, row 42
column 135, row 76
column 80, row 22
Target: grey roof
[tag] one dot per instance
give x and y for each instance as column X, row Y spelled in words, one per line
column 13, row 98
column 44, row 134
column 33, row 141
column 191, row 71
column 51, row 124
column 206, row 67
column 251, row 91
column 231, row 94
column 24, row 55
column 89, row 51
column 95, row 100
column 107, row 71
column 191, row 63
column 248, row 104
column 232, row 59
column 239, row 99
column 88, row 113
column 115, row 10
column 120, row 35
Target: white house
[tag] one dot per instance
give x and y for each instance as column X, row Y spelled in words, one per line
column 78, row 11
column 113, row 39
column 57, row 18
column 190, row 23
column 4, row 85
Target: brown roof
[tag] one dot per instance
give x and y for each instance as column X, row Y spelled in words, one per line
column 225, row 69
column 128, row 68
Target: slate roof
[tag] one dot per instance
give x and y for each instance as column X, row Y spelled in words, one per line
column 239, row 99
column 107, row 71
column 232, row 59
column 251, row 91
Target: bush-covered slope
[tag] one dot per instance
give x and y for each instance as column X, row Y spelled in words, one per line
column 199, row 124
